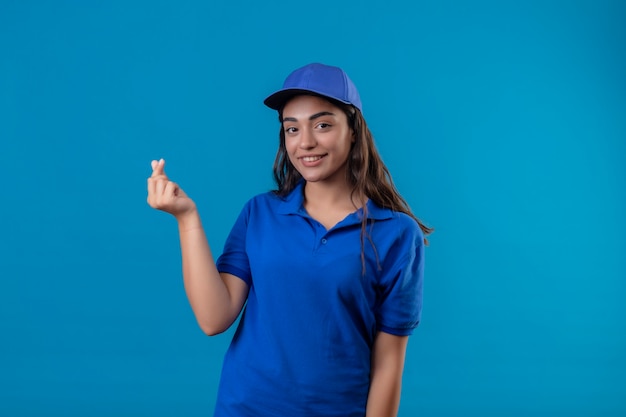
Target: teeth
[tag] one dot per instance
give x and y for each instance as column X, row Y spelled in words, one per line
column 311, row 158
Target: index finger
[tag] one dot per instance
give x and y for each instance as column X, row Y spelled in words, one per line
column 158, row 167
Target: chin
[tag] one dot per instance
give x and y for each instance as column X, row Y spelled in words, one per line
column 312, row 179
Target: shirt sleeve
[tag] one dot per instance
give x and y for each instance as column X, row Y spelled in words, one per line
column 399, row 304
column 234, row 258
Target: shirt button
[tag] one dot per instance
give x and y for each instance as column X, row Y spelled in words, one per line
column 324, row 241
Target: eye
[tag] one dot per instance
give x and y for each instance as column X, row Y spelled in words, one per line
column 324, row 125
column 291, row 130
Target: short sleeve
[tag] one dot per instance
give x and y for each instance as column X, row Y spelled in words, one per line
column 399, row 304
column 234, row 258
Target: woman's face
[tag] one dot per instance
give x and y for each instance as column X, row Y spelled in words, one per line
column 317, row 138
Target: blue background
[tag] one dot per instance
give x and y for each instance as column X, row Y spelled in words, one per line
column 504, row 126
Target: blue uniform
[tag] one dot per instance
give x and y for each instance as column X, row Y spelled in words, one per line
column 303, row 345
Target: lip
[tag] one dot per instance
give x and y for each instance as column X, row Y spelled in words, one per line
column 311, row 160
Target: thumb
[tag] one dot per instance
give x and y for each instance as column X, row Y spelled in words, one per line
column 158, row 167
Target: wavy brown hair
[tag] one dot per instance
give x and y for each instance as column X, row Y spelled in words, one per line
column 366, row 173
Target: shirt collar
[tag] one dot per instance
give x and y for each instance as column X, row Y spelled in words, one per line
column 292, row 204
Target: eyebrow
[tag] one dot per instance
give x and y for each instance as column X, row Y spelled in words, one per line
column 313, row 117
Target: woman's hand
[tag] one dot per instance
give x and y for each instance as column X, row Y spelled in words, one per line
column 166, row 195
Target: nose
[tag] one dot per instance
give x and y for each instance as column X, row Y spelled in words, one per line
column 307, row 139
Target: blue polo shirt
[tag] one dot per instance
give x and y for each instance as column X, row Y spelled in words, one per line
column 303, row 345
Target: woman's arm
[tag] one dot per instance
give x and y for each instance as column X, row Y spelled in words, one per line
column 386, row 375
column 216, row 299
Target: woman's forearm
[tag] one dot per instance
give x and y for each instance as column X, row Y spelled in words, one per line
column 384, row 396
column 216, row 300
column 388, row 356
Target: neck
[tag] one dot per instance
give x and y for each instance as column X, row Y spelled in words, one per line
column 325, row 195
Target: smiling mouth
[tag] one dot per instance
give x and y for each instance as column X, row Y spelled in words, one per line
column 312, row 158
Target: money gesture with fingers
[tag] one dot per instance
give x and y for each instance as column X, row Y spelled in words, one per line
column 166, row 195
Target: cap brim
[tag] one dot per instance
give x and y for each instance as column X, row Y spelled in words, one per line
column 278, row 100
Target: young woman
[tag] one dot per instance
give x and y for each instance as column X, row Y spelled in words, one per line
column 329, row 266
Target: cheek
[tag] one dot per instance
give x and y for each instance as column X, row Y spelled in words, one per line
column 347, row 145
column 290, row 147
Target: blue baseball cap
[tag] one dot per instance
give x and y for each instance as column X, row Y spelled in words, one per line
column 318, row 79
